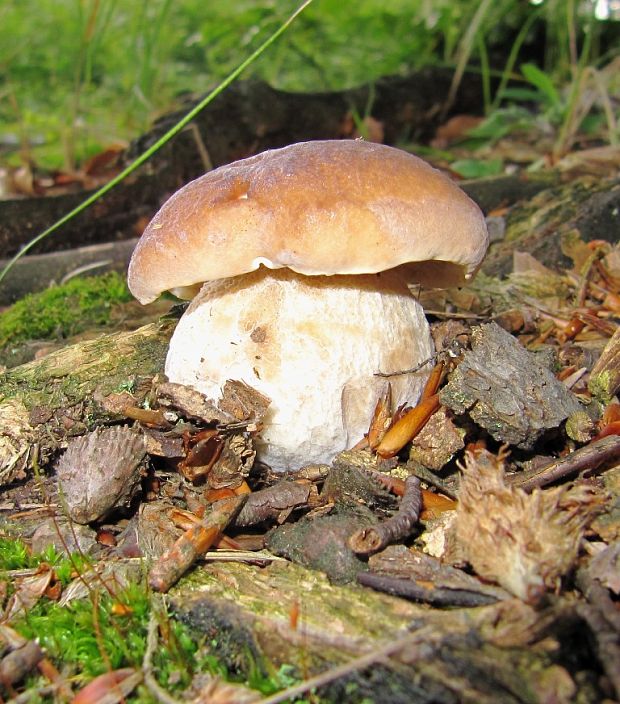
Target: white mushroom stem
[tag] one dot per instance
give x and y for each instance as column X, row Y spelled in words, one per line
column 310, row 343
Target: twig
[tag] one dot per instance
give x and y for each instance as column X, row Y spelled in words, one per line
column 411, row 370
column 586, row 458
column 194, row 543
column 410, row 589
column 370, row 540
column 428, row 477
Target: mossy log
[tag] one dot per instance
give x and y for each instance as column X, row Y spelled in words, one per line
column 586, row 207
column 63, row 394
column 396, row 651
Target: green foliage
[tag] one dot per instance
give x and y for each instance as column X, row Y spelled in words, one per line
column 476, row 168
column 79, row 75
column 14, row 555
column 65, row 310
column 91, row 636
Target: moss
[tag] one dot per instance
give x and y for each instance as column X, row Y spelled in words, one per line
column 64, row 310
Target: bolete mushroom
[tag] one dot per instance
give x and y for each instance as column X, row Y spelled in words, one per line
column 302, row 257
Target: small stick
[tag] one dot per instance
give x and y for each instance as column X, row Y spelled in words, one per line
column 428, row 477
column 194, row 543
column 586, row 458
column 412, row 370
column 370, row 540
column 410, row 589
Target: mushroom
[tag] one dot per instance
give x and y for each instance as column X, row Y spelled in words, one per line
column 301, row 259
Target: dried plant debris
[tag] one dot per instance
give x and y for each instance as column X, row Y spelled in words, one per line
column 65, row 537
column 16, row 438
column 524, row 542
column 234, row 462
column 274, row 503
column 243, row 402
column 194, row 543
column 19, row 656
column 191, row 404
column 605, row 567
column 100, row 472
column 605, row 376
column 507, row 390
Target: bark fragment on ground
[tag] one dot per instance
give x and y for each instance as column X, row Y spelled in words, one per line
column 507, row 390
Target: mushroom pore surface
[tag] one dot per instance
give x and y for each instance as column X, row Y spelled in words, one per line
column 312, row 344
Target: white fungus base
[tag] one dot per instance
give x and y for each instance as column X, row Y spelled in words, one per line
column 312, row 345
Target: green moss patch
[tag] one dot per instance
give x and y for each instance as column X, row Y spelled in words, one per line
column 62, row 311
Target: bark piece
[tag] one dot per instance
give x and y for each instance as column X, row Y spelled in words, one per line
column 507, row 390
column 100, row 472
column 66, row 537
column 322, row 542
column 437, row 442
column 267, row 504
column 190, row 403
column 243, row 402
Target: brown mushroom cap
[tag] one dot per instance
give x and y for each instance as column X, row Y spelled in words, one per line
column 318, row 208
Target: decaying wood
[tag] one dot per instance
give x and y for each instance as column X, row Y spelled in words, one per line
column 483, row 652
column 63, row 394
column 584, row 206
column 507, row 390
column 415, row 575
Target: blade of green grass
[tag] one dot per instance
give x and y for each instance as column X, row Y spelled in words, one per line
column 232, row 76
